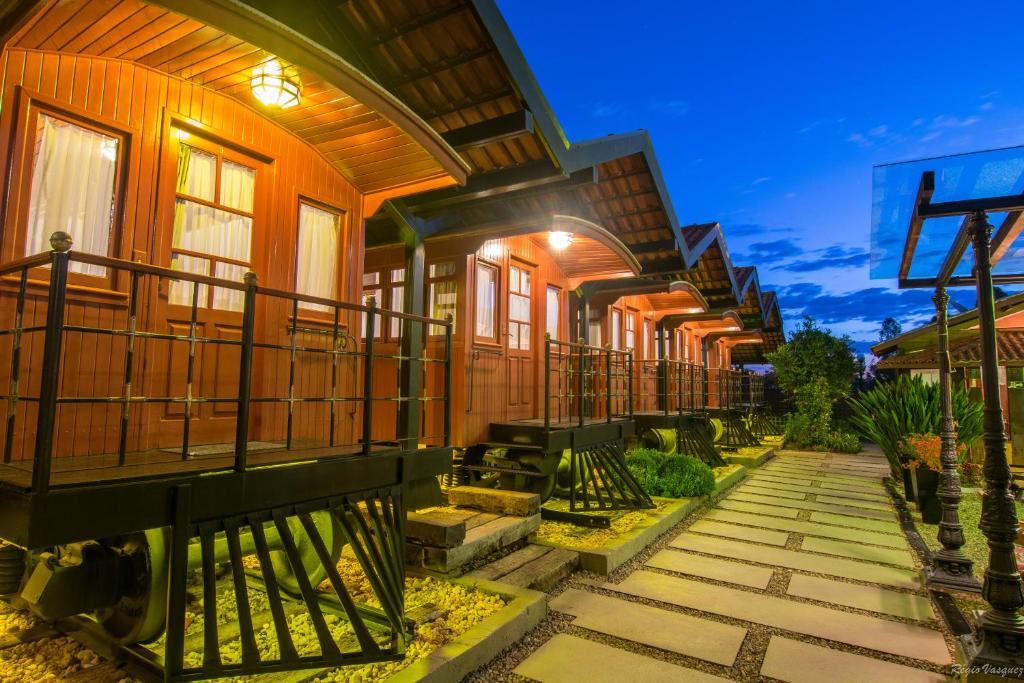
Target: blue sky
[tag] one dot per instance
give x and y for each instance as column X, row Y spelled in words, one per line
column 768, row 116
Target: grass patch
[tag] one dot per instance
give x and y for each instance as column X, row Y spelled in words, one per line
column 976, row 546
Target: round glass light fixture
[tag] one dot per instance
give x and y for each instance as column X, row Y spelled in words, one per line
column 559, row 240
column 274, row 86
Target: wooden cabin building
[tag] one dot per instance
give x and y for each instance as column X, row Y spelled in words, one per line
column 137, row 129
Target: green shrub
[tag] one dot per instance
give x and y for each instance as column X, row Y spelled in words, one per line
column 841, row 441
column 891, row 411
column 670, row 476
column 685, row 477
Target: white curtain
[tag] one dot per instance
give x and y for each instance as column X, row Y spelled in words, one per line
column 72, row 190
column 486, row 295
column 553, row 315
column 207, row 230
column 316, row 270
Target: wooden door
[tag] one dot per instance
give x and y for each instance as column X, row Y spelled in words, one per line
column 210, row 205
column 522, row 347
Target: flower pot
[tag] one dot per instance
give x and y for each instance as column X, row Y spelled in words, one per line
column 926, row 487
column 908, row 485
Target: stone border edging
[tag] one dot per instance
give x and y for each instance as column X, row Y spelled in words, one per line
column 482, row 643
column 751, row 462
column 608, row 558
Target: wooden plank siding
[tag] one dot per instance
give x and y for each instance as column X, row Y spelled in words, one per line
column 141, row 104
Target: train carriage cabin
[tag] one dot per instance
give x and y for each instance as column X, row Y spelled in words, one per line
column 181, row 277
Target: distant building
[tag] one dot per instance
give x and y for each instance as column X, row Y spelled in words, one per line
column 916, row 353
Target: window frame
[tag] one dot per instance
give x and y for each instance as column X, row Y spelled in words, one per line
column 615, row 319
column 18, row 188
column 629, row 321
column 558, row 319
column 523, row 268
column 482, row 263
column 342, row 216
column 435, row 331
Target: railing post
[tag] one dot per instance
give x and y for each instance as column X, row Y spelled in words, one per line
column 608, row 383
column 547, row 382
column 448, row 379
column 629, row 386
column 371, row 316
column 580, row 385
column 245, row 370
column 680, row 393
column 49, row 383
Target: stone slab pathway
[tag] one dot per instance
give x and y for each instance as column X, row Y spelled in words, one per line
column 800, row 574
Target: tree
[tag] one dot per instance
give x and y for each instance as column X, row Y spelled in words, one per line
column 812, row 353
column 890, row 330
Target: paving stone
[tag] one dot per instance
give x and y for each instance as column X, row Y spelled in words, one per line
column 759, row 475
column 794, row 559
column 808, row 528
column 820, row 472
column 498, row 501
column 859, row 630
column 742, row 533
column 757, row 508
column 825, row 482
column 867, row 505
column 811, row 505
column 786, row 486
column 869, row 598
column 798, row 662
column 712, row 568
column 778, row 492
column 859, row 551
column 856, row 522
column 568, row 659
column 653, row 626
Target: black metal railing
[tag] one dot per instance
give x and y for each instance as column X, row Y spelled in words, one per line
column 731, row 389
column 669, row 387
column 131, row 375
column 585, row 383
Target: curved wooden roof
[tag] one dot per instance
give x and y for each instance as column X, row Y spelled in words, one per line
column 593, row 252
column 371, row 136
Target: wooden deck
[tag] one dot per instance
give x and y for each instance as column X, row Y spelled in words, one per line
column 94, row 469
column 566, row 422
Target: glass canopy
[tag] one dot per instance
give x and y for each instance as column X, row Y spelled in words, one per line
column 979, row 175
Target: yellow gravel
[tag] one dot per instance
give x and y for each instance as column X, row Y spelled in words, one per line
column 48, row 659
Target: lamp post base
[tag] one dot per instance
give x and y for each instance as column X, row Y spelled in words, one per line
column 951, row 573
column 994, row 651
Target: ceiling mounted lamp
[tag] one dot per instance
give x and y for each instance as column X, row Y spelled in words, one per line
column 559, row 240
column 275, row 86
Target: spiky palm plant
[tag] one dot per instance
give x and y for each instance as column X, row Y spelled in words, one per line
column 892, row 411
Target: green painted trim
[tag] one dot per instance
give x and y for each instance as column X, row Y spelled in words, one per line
column 482, row 643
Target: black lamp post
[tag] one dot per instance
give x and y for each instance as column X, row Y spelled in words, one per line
column 950, row 567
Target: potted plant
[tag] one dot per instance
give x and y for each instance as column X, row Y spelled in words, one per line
column 924, row 463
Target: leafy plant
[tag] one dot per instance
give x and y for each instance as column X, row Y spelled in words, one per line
column 925, row 450
column 670, row 476
column 811, row 425
column 814, row 353
column 892, row 411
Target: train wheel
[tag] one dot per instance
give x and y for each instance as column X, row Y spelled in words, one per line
column 334, row 539
column 12, row 568
column 139, row 616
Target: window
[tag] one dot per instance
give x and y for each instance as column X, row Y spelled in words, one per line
column 372, row 287
column 213, row 215
column 630, row 330
column 441, row 292
column 616, row 329
column 553, row 305
column 396, row 300
column 647, row 338
column 519, row 308
column 316, row 268
column 74, row 189
column 486, row 302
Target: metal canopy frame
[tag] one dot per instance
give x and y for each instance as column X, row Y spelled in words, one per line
column 999, row 638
